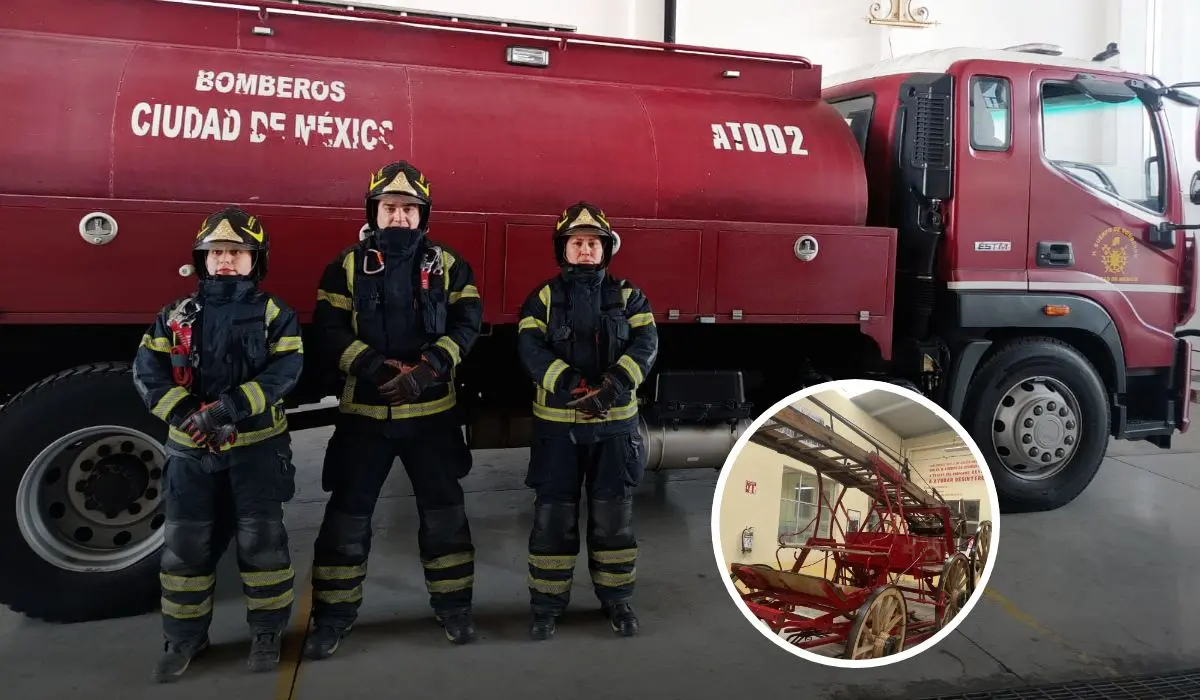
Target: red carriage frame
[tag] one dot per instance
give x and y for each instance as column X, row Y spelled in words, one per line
column 864, row 601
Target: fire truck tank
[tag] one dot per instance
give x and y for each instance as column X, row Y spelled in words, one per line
column 159, row 101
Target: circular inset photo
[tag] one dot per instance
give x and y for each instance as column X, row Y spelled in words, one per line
column 856, row 523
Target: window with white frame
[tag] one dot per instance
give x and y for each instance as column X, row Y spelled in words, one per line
column 798, row 506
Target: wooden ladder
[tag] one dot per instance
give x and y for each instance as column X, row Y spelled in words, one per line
column 840, row 459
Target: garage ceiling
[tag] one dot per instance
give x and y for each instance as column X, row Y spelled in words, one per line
column 907, row 418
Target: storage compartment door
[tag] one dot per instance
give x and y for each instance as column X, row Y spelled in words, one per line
column 788, row 274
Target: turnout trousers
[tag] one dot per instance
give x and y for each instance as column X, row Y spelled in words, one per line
column 357, row 462
column 253, row 482
column 608, row 469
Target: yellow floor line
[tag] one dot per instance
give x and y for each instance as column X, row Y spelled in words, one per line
column 289, row 663
column 1029, row 620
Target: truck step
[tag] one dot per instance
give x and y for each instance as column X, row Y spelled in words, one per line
column 1139, row 428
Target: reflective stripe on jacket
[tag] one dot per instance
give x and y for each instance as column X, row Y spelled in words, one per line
column 246, row 349
column 622, row 341
column 359, row 330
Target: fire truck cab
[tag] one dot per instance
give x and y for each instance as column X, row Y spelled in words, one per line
column 1043, row 264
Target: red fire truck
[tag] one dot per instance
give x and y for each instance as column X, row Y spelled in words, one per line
column 911, row 223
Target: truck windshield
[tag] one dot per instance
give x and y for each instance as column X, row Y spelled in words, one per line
column 1112, row 147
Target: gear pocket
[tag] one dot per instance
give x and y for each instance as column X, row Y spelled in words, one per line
column 329, row 465
column 542, row 456
column 254, row 353
column 433, row 311
column 634, row 449
column 367, row 305
column 171, row 487
column 284, row 483
column 464, row 459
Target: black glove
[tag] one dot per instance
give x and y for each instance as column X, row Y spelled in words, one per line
column 599, row 399
column 572, row 382
column 211, row 426
column 410, row 384
column 388, row 378
column 388, row 370
column 225, row 434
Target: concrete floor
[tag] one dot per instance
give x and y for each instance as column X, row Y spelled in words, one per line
column 1105, row 586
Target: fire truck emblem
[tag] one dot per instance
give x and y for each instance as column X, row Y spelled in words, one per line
column 1114, row 248
column 805, row 248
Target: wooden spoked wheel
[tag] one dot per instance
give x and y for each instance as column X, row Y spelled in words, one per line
column 880, row 626
column 979, row 551
column 953, row 588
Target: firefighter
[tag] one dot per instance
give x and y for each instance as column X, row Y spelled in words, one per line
column 396, row 314
column 216, row 366
column 588, row 340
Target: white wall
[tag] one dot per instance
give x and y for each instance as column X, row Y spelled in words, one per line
column 1156, row 36
column 837, row 35
column 1175, row 57
column 954, row 473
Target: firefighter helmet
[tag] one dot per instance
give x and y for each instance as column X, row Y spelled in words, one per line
column 403, row 179
column 584, row 217
column 233, row 228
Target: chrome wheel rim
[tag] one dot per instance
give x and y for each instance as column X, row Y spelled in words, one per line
column 91, row 501
column 1036, row 428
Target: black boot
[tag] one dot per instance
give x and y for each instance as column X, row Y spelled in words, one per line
column 542, row 626
column 176, row 658
column 323, row 640
column 264, row 651
column 621, row 618
column 460, row 628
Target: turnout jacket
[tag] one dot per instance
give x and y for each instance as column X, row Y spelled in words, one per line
column 245, row 348
column 396, row 295
column 586, row 324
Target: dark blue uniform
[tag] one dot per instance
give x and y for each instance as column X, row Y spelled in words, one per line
column 585, row 328
column 396, row 299
column 245, row 355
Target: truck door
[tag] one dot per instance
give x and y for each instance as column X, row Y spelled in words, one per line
column 1095, row 195
column 991, row 203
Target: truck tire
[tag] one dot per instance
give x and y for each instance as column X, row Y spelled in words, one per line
column 1038, row 410
column 82, row 462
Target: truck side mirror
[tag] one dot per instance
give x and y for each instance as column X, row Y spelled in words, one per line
column 1194, row 188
